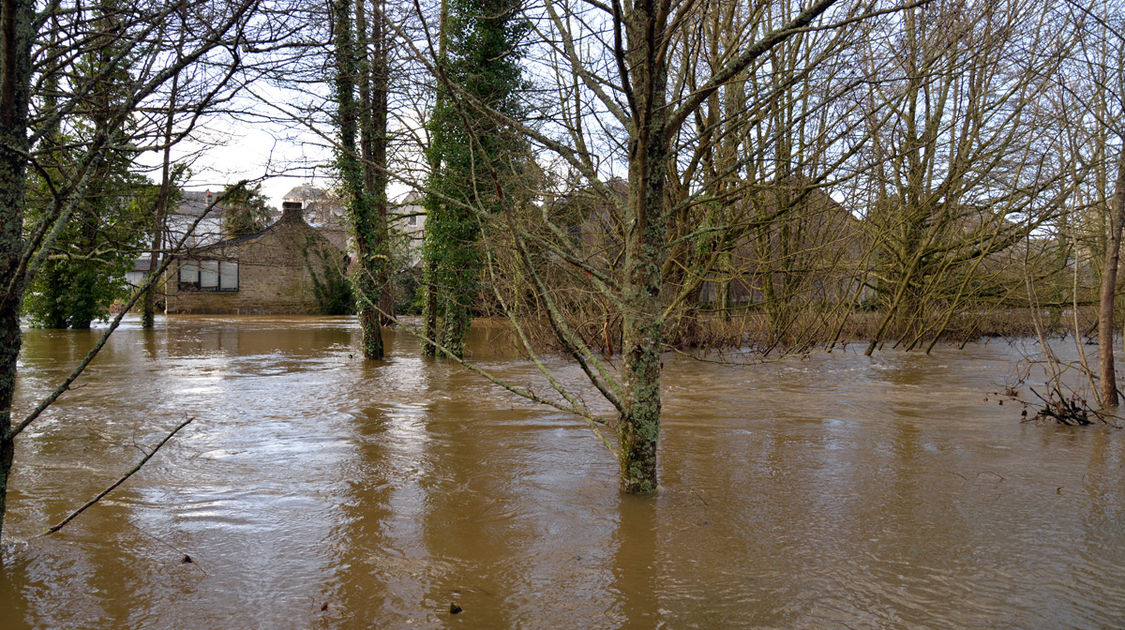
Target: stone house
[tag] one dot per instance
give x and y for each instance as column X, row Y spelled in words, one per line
column 793, row 242
column 407, row 219
column 288, row 268
column 774, row 241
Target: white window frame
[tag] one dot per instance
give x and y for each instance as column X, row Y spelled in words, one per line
column 192, row 273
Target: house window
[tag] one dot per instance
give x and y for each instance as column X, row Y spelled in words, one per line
column 208, row 275
column 228, row 276
column 189, row 273
column 413, row 219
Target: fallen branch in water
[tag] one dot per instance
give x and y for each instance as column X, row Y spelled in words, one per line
column 1070, row 411
column 56, row 527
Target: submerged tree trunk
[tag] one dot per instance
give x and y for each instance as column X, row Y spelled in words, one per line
column 642, row 322
column 1116, row 209
column 148, row 312
column 359, row 181
column 16, row 33
column 472, row 157
column 429, row 313
column 651, row 125
column 370, row 222
column 429, row 275
column 380, row 85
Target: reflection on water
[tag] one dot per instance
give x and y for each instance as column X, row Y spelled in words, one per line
column 316, row 490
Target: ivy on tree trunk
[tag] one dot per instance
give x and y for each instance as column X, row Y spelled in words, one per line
column 363, row 168
column 478, row 58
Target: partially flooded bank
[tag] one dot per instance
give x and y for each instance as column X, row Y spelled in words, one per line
column 314, row 489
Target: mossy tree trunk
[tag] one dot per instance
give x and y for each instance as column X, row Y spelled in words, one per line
column 642, row 323
column 652, row 125
column 16, row 32
column 377, row 160
column 429, row 272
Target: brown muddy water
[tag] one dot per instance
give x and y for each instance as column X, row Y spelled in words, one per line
column 314, row 490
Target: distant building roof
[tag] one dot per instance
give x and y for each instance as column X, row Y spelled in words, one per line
column 141, row 263
column 413, row 197
column 322, row 208
column 305, row 192
column 194, row 202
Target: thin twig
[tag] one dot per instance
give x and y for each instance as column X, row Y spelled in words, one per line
column 56, row 527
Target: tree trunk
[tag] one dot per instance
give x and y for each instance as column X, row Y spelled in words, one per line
column 365, row 214
column 380, row 78
column 357, row 178
column 429, row 273
column 429, row 312
column 1109, row 289
column 456, row 320
column 16, row 32
column 148, row 313
column 642, row 323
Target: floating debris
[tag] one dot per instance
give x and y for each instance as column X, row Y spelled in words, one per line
column 1070, row 411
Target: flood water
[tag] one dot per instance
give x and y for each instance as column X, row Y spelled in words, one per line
column 314, row 490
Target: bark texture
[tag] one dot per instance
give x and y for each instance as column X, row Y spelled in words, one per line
column 1108, row 373
column 16, row 33
column 646, row 225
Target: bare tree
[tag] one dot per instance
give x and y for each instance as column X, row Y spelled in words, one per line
column 954, row 174
column 617, row 110
column 1091, row 108
column 752, row 220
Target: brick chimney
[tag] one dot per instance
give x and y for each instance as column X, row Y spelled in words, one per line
column 291, row 212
